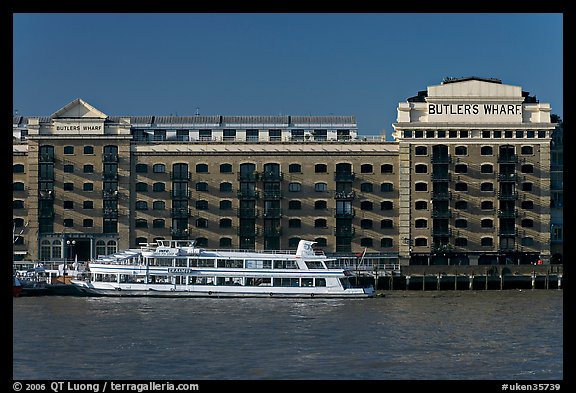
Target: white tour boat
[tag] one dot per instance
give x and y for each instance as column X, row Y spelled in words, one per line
column 176, row 268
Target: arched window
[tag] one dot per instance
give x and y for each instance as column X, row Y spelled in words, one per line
column 225, row 204
column 201, row 168
column 17, row 168
column 294, row 223
column 386, row 224
column 320, row 205
column 320, row 168
column 321, row 242
column 366, row 205
column 158, row 223
column 386, row 168
column 527, row 168
column 527, row 150
column 461, row 186
column 159, row 168
column 202, row 205
column 141, row 168
column 17, row 186
column 139, row 241
column 527, row 205
column 461, row 205
column 460, row 150
column 421, row 205
column 225, row 187
column 201, row 186
column 420, row 242
column 225, row 223
column 201, row 223
column 527, row 223
column 141, row 187
column 294, row 205
column 366, row 168
column 486, row 205
column 486, row 151
column 461, row 242
column 56, row 249
column 366, row 242
column 320, row 187
column 421, row 186
column 486, row 223
column 366, row 223
column 295, row 168
column 101, row 246
column 486, row 186
column 386, row 187
column 141, row 205
column 226, row 168
column 111, row 247
column 141, row 223
column 225, row 242
column 461, row 168
column 421, row 223
column 486, row 242
column 159, row 187
column 461, row 223
column 366, row 187
column 386, row 205
column 420, row 150
column 486, row 168
column 421, row 168
column 320, row 223
column 158, row 205
column 293, row 242
column 386, row 242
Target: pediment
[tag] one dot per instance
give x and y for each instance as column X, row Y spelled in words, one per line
column 78, row 109
column 474, row 88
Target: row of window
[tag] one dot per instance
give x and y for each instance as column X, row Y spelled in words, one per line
column 463, row 150
column 463, row 168
column 465, row 134
column 322, row 223
column 292, row 205
column 292, row 168
column 386, row 242
column 52, row 249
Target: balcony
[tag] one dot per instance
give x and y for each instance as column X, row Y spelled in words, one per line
column 272, row 213
column 508, row 213
column 508, row 232
column 109, row 176
column 110, row 195
column 345, row 177
column 349, row 213
column 110, row 213
column 248, row 195
column 345, row 195
column 110, row 158
column 179, row 212
column 344, row 231
column 272, row 176
column 272, row 232
column 507, row 159
column 45, row 213
column 507, row 177
column 272, row 195
column 440, row 176
column 46, row 195
column 248, row 232
column 180, row 176
column 180, row 194
column 441, row 159
column 248, row 177
column 441, row 232
column 441, row 196
column 179, row 232
column 46, row 159
column 247, row 213
column 507, row 196
column 441, row 214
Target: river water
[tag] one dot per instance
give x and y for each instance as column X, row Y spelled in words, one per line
column 406, row 335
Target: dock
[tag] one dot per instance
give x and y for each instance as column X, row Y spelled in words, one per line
column 451, row 277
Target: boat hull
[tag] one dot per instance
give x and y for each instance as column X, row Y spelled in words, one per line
column 88, row 289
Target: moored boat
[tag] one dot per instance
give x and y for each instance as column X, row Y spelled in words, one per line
column 177, row 268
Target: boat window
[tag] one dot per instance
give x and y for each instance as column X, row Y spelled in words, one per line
column 345, row 282
column 228, row 281
column 202, row 263
column 320, row 282
column 257, row 281
column 256, row 264
column 286, row 282
column 164, row 261
column 315, row 265
column 180, row 262
column 285, row 265
column 307, row 282
column 203, row 280
column 230, row 263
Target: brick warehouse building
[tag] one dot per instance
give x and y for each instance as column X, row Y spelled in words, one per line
column 467, row 180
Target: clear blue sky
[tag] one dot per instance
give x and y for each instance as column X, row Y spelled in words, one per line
column 360, row 64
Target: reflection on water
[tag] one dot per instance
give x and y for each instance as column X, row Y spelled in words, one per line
column 407, row 335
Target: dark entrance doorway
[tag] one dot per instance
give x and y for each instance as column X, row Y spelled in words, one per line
column 81, row 250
